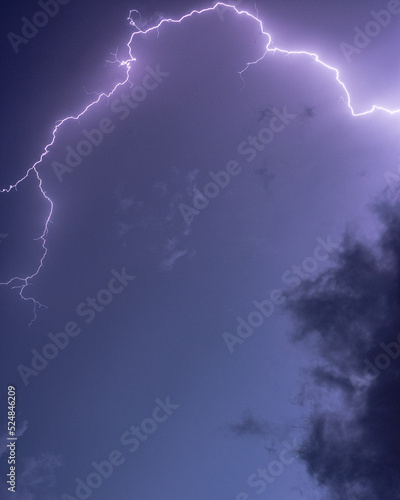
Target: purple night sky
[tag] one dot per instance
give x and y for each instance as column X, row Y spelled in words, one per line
column 207, row 253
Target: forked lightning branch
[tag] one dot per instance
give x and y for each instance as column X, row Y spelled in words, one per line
column 42, row 17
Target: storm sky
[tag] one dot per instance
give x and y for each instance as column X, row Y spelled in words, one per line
column 222, row 261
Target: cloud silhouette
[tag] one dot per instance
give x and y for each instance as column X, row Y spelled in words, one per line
column 350, row 316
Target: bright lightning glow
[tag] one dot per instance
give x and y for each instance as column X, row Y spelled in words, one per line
column 23, row 282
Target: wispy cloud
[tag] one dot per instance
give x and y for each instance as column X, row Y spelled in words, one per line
column 250, row 425
column 36, row 478
column 168, row 263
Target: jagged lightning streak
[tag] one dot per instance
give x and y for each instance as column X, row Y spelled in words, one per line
column 23, row 282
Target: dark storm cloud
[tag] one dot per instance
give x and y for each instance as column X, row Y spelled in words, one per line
column 350, row 317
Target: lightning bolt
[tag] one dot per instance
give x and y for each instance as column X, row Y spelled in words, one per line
column 22, row 282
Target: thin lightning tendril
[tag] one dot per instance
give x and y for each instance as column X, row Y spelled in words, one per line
column 22, row 283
